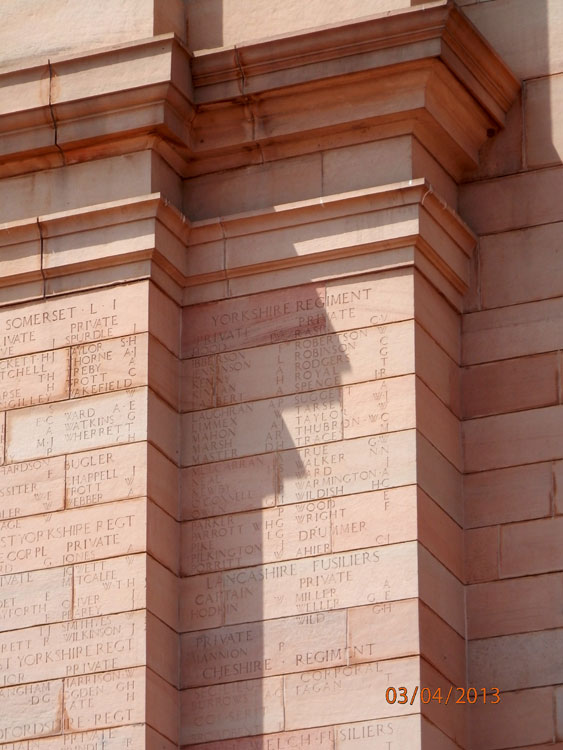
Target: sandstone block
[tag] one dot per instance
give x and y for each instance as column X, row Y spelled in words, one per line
column 32, row 487
column 83, row 424
column 512, row 439
column 221, row 711
column 315, row 363
column 503, row 495
column 256, row 650
column 505, row 386
column 482, row 554
column 514, row 606
column 347, row 693
column 92, row 316
column 302, row 586
column 516, row 331
column 386, row 630
column 37, row 597
column 33, row 379
column 229, row 486
column 72, row 536
column 296, row 312
column 516, row 662
column 115, row 699
column 104, row 587
column 109, row 365
column 361, row 465
column 531, row 547
column 31, row 711
column 72, row 648
column 524, row 716
column 510, row 274
column 107, row 474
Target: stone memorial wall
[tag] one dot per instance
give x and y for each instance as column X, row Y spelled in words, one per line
column 279, row 431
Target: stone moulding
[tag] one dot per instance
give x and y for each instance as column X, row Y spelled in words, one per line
column 375, row 223
column 406, row 35
column 370, row 222
column 425, row 71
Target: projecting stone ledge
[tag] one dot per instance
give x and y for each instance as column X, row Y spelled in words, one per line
column 423, row 71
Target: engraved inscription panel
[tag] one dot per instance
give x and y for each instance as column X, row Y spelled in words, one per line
column 198, row 383
column 299, row 508
column 78, row 320
column 293, row 531
column 115, row 738
column 71, row 648
column 229, row 486
column 105, row 699
column 32, row 379
column 315, row 363
column 103, row 587
column 381, row 406
column 296, row 312
column 32, row 487
column 35, row 597
column 361, row 465
column 94, row 422
column 232, row 710
column 349, row 693
column 302, row 586
column 104, row 475
column 379, row 734
column 102, row 366
column 28, row 711
column 72, row 536
column 262, row 649
column 262, row 426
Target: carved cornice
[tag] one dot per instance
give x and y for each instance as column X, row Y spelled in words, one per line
column 425, row 71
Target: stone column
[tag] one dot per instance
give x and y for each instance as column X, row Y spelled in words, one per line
column 322, row 553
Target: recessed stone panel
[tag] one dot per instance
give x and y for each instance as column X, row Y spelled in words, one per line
column 108, row 419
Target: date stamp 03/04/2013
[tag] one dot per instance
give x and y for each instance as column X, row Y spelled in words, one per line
column 470, row 695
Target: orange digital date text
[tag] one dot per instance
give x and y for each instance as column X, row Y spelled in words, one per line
column 471, row 695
